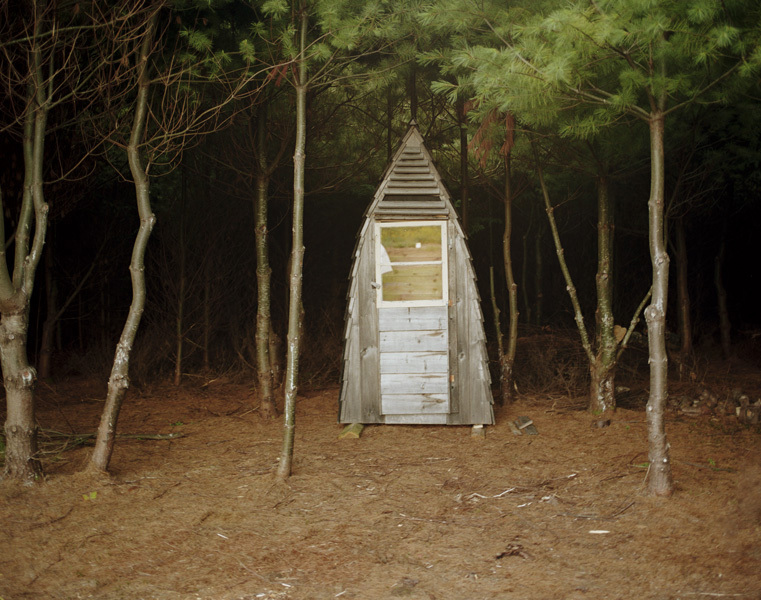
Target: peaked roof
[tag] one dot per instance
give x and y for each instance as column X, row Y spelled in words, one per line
column 411, row 186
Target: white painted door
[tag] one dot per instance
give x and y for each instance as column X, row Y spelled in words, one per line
column 413, row 321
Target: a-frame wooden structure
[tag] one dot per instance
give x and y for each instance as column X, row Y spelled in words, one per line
column 415, row 349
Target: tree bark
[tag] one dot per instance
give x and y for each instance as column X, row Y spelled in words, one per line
column 570, row 288
column 683, row 301
column 180, row 314
column 603, row 368
column 44, row 362
column 21, row 461
column 508, row 360
column 412, row 91
column 725, row 326
column 389, row 124
column 52, row 318
column 118, row 382
column 464, row 181
column 267, row 407
column 524, row 272
column 297, row 260
column 497, row 331
column 538, row 275
column 660, row 482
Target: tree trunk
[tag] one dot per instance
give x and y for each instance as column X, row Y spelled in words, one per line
column 683, row 301
column 504, row 395
column 179, row 317
column 538, row 275
column 412, row 91
column 524, row 272
column 118, row 382
column 44, row 367
column 208, row 272
column 297, row 261
column 50, row 329
column 464, row 182
column 660, row 482
column 570, row 287
column 267, row 407
column 21, row 462
column 603, row 368
column 389, row 124
column 512, row 288
column 725, row 327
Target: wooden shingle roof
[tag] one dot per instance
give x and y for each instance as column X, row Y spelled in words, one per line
column 411, row 187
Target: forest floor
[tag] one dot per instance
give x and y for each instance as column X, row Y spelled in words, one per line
column 404, row 511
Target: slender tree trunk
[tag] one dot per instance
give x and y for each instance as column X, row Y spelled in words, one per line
column 725, row 327
column 603, row 368
column 118, row 382
column 44, row 367
column 389, row 124
column 538, row 275
column 297, row 260
column 497, row 327
column 683, row 297
column 464, row 181
column 206, row 316
column 524, row 274
column 660, row 482
column 267, row 407
column 570, row 287
column 51, row 331
column 179, row 318
column 412, row 91
column 208, row 271
column 512, row 288
column 21, row 461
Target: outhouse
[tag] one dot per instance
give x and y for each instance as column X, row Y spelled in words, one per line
column 415, row 349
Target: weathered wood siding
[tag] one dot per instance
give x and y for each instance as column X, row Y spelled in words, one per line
column 414, row 360
column 414, row 364
column 473, row 382
column 359, row 401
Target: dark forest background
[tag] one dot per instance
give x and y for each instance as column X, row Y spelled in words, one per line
column 201, row 255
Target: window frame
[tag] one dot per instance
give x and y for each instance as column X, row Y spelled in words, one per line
column 444, row 262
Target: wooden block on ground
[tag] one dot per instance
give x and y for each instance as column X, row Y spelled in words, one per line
column 478, row 431
column 526, row 425
column 514, row 428
column 352, row 431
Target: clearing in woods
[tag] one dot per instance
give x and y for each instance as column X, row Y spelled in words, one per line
column 404, row 511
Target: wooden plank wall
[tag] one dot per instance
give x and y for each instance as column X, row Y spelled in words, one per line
column 414, row 360
column 359, row 400
column 367, row 305
column 474, row 382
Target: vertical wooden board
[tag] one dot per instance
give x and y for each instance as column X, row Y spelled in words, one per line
column 482, row 410
column 350, row 399
column 474, row 383
column 463, row 348
column 368, row 334
column 350, row 364
column 453, row 232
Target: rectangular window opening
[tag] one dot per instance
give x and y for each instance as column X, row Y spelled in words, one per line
column 411, row 263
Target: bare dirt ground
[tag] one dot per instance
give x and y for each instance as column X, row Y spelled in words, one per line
column 419, row 512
